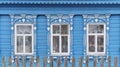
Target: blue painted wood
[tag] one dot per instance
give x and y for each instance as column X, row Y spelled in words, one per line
column 60, row 2
column 41, row 9
column 5, row 36
column 78, row 42
column 63, row 9
column 41, row 36
column 114, row 47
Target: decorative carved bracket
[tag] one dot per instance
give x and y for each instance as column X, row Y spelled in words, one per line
column 60, row 18
column 23, row 18
column 96, row 18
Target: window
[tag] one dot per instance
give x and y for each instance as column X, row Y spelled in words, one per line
column 23, row 39
column 96, row 38
column 60, row 39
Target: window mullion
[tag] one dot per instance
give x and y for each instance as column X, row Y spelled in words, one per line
column 60, row 44
column 68, row 43
column 24, row 43
column 104, row 46
column 32, row 40
column 103, row 43
column 68, row 38
column 95, row 43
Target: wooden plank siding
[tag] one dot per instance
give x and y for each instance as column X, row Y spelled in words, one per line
column 42, row 44
column 5, row 36
column 42, row 57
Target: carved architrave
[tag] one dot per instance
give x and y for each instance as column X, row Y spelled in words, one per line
column 23, row 18
column 59, row 18
column 96, row 18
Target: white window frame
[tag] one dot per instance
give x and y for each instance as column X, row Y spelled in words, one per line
column 96, row 53
column 60, row 48
column 15, row 40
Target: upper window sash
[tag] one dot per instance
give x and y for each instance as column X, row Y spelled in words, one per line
column 61, row 29
column 96, row 39
column 24, row 34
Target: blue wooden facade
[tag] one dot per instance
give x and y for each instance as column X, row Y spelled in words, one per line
column 77, row 13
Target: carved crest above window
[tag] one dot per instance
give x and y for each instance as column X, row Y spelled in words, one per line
column 23, row 18
column 96, row 18
column 60, row 18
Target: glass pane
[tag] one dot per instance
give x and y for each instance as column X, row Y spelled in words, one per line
column 24, row 29
column 28, row 29
column 96, row 28
column 91, row 43
column 55, row 44
column 100, row 29
column 64, row 44
column 64, row 29
column 28, row 44
column 20, row 29
column 56, row 29
column 100, row 43
column 19, row 44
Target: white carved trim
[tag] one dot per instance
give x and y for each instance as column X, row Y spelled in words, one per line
column 59, row 18
column 98, row 18
column 23, row 18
